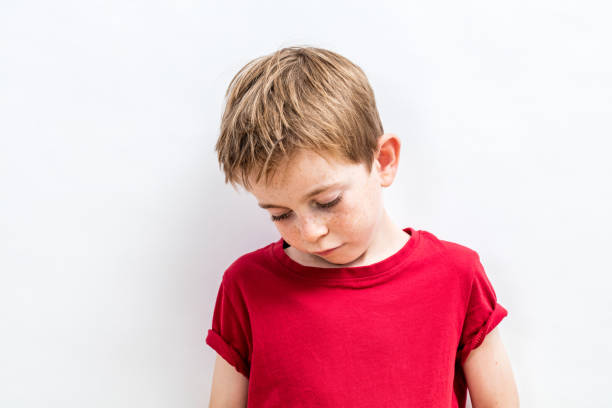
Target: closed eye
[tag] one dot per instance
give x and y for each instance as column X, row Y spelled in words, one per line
column 325, row 205
column 331, row 203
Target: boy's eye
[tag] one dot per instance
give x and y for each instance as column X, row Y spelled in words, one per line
column 331, row 203
column 279, row 217
column 325, row 205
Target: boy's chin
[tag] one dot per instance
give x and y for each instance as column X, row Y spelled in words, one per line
column 335, row 260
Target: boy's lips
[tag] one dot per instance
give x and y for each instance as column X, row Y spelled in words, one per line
column 327, row 251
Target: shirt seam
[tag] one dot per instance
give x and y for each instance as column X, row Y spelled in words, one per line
column 374, row 278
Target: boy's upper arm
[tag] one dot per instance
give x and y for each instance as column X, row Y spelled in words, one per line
column 229, row 387
column 489, row 374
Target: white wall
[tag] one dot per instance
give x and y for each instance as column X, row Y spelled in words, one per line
column 116, row 226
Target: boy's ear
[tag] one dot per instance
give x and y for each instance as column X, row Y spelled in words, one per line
column 387, row 158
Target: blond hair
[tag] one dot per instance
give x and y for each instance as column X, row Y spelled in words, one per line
column 296, row 98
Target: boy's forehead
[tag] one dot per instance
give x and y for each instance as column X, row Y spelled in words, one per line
column 301, row 178
column 274, row 198
column 291, row 182
column 306, row 169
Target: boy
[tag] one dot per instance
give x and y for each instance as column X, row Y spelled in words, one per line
column 346, row 309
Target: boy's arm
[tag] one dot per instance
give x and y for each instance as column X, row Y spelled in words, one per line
column 229, row 387
column 489, row 376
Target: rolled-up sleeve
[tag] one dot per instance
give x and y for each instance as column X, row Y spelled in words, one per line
column 229, row 334
column 483, row 312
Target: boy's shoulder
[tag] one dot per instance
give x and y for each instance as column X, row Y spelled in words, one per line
column 242, row 267
column 451, row 247
column 461, row 256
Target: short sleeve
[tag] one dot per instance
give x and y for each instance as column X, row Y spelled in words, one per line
column 483, row 312
column 229, row 333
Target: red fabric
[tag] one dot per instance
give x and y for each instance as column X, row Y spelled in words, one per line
column 391, row 334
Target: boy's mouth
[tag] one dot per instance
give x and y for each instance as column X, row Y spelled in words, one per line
column 327, row 251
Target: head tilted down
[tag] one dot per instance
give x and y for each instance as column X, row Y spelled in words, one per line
column 299, row 120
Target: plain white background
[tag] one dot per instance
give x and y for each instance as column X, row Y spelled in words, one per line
column 116, row 225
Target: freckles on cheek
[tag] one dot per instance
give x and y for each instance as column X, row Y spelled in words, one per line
column 352, row 221
column 289, row 232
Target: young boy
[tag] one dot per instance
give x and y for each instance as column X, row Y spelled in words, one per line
column 346, row 309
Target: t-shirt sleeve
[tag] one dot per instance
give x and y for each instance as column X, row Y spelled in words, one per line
column 483, row 312
column 229, row 333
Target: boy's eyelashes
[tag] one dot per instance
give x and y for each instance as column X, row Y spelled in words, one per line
column 324, row 205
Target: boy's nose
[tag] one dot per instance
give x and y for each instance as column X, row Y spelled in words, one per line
column 313, row 229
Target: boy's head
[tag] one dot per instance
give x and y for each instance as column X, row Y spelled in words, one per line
column 297, row 98
column 300, row 119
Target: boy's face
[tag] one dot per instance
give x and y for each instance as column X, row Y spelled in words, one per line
column 345, row 217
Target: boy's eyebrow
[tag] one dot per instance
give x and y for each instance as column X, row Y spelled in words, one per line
column 307, row 196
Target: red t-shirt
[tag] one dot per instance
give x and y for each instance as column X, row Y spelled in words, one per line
column 391, row 334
